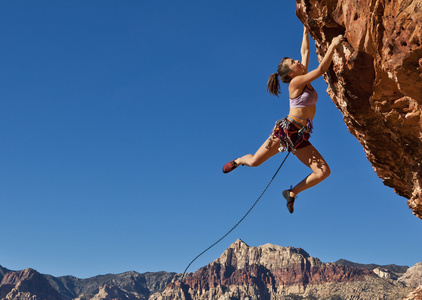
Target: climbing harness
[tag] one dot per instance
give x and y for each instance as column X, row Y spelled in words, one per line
column 247, row 213
column 284, row 131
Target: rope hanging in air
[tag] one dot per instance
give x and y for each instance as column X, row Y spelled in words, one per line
column 247, row 213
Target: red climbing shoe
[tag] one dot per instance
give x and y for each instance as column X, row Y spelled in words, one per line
column 230, row 166
column 290, row 200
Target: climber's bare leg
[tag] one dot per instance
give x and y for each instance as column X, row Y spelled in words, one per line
column 313, row 159
column 264, row 152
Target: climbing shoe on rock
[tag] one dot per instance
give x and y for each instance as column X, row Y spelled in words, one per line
column 290, row 200
column 230, row 166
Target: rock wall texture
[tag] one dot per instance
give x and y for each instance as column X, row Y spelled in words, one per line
column 413, row 276
column 415, row 295
column 275, row 272
column 376, row 81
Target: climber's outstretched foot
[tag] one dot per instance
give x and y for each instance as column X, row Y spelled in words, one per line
column 230, row 166
column 290, row 200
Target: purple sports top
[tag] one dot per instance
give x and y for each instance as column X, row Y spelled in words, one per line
column 308, row 97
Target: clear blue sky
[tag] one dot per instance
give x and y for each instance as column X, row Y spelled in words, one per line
column 116, row 118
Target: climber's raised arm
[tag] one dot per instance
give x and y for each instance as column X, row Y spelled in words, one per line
column 302, row 80
column 305, row 49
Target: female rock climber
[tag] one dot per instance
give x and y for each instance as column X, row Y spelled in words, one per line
column 292, row 132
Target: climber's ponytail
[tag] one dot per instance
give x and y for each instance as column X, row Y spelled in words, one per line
column 273, row 85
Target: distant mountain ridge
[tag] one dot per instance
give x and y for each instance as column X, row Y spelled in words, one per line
column 25, row 284
column 128, row 283
column 387, row 271
column 391, row 268
column 3, row 271
column 241, row 272
column 30, row 284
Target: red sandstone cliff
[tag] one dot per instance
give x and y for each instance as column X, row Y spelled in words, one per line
column 376, row 81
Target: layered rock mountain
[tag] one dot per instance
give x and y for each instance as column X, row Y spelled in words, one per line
column 376, row 81
column 275, row 272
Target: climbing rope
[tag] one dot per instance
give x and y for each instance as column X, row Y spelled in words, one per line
column 247, row 213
